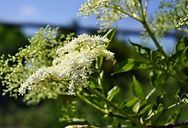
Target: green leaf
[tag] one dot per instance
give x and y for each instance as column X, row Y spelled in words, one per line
column 141, row 49
column 113, row 92
column 146, row 109
column 156, row 112
column 181, row 45
column 158, row 59
column 137, row 88
column 158, row 78
column 131, row 64
column 93, row 83
column 160, row 108
column 129, row 103
column 184, row 58
column 125, row 66
column 136, row 107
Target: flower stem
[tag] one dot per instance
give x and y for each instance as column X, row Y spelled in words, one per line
column 151, row 34
column 122, row 114
column 146, row 26
column 149, row 31
column 91, row 103
column 99, row 108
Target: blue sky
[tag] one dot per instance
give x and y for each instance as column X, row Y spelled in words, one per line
column 53, row 12
column 43, row 11
column 62, row 12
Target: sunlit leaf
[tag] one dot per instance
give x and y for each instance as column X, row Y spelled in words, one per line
column 113, row 92
column 136, row 107
column 146, row 109
column 141, row 49
column 131, row 64
column 129, row 103
column 137, row 88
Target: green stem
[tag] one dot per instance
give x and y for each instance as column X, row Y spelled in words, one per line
column 152, row 35
column 91, row 103
column 126, row 13
column 161, row 112
column 174, row 105
column 150, row 93
column 133, row 119
column 143, row 14
column 170, row 74
column 146, row 26
column 103, row 98
column 171, row 125
column 99, row 108
column 146, row 7
column 100, row 82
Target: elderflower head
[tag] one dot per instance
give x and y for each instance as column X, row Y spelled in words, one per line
column 73, row 64
column 109, row 11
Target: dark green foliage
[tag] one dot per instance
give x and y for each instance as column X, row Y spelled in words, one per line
column 11, row 39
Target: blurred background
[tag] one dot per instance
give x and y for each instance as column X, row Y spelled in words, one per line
column 20, row 19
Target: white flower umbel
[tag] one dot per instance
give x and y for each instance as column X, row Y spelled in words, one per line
column 73, row 64
column 110, row 11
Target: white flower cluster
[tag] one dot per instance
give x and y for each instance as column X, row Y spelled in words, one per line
column 108, row 11
column 73, row 63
